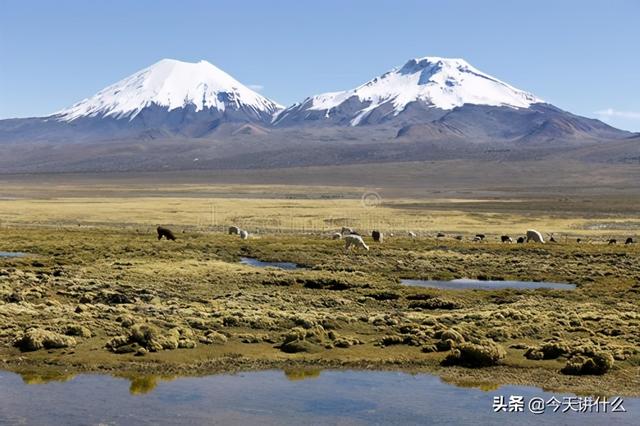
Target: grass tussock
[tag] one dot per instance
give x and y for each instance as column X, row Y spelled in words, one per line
column 475, row 355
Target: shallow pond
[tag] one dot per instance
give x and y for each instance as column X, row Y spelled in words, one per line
column 260, row 264
column 469, row 284
column 276, row 397
column 12, row 254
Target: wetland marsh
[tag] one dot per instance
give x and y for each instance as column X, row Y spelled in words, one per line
column 99, row 293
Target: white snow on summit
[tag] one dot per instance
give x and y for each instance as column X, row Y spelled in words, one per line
column 438, row 82
column 172, row 84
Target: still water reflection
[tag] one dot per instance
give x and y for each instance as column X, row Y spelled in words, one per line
column 469, row 284
column 263, row 264
column 273, row 397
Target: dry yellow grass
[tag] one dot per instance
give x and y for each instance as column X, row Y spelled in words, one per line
column 451, row 216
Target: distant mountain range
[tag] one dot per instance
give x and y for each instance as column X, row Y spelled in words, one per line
column 439, row 104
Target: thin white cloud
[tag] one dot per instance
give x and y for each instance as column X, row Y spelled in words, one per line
column 614, row 113
column 256, row 87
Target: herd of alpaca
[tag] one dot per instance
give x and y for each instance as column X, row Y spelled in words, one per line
column 353, row 240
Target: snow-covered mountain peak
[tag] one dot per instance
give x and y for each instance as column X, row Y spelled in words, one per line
column 431, row 62
column 443, row 83
column 170, row 84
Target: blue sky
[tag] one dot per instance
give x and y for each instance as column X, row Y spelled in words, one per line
column 583, row 56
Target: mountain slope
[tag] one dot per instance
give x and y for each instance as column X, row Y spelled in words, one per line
column 169, row 98
column 176, row 115
column 441, row 99
column 436, row 83
column 540, row 123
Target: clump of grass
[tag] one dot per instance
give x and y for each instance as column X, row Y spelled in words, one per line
column 451, row 334
column 151, row 338
column 328, row 283
column 77, row 330
column 214, row 337
column 303, row 322
column 14, row 297
column 384, row 295
column 594, row 363
column 435, row 303
column 113, row 298
column 126, row 321
column 342, row 341
column 475, row 355
column 449, row 339
column 36, row 338
column 304, row 340
column 399, row 339
column 549, row 350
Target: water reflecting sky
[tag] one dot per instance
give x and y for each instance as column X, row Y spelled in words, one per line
column 273, row 397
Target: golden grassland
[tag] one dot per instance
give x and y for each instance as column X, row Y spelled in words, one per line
column 267, row 210
column 112, row 298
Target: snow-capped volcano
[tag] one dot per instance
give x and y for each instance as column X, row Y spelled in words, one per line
column 171, row 85
column 435, row 105
column 432, row 82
